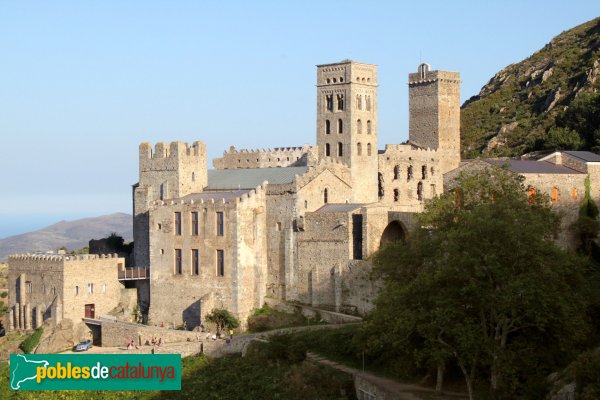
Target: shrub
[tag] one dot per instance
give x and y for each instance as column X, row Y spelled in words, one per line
column 587, row 375
column 29, row 344
column 4, row 294
column 265, row 319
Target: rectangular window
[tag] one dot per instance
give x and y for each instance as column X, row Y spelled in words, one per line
column 357, row 236
column 178, row 223
column 90, row 288
column 178, row 261
column 220, row 263
column 195, row 262
column 195, row 223
column 220, row 228
column 28, row 287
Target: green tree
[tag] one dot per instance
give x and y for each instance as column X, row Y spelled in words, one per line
column 223, row 319
column 582, row 117
column 480, row 283
column 587, row 225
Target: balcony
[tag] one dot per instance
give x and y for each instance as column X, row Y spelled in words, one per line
column 127, row 274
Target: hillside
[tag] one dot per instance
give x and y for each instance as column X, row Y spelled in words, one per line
column 71, row 234
column 545, row 102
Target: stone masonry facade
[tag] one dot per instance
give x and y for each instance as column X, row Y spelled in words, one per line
column 295, row 223
column 52, row 288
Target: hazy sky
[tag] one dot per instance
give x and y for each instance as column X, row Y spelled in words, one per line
column 82, row 83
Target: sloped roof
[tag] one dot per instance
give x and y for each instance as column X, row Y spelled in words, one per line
column 531, row 166
column 249, row 178
column 340, row 207
column 584, row 155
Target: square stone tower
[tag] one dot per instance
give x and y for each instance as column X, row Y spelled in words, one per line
column 170, row 172
column 347, row 122
column 434, row 113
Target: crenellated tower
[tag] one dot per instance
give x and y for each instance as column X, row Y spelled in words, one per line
column 434, row 113
column 171, row 171
column 347, row 122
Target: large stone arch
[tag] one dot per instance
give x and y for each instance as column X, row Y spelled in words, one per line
column 393, row 232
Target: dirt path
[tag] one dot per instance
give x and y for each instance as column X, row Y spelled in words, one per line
column 400, row 391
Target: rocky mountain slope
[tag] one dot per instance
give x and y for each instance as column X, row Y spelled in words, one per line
column 71, row 234
column 538, row 103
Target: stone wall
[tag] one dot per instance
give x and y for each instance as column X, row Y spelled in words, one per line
column 188, row 296
column 269, row 158
column 116, row 333
column 58, row 287
column 171, row 171
column 405, row 171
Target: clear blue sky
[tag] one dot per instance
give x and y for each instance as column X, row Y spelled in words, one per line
column 82, row 83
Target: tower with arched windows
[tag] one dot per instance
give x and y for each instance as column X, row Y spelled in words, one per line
column 347, row 122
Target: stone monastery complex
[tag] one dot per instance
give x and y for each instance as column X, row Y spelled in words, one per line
column 295, row 224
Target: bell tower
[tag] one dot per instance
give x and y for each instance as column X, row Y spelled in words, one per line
column 434, row 113
column 347, row 122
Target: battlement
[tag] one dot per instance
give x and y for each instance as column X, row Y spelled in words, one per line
column 223, row 198
column 407, row 149
column 173, row 149
column 60, row 257
column 295, row 156
column 425, row 76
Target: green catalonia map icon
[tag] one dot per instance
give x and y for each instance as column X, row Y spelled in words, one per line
column 23, row 369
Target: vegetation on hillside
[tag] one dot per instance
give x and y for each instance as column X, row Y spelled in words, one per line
column 28, row 345
column 267, row 318
column 274, row 370
column 545, row 102
column 481, row 287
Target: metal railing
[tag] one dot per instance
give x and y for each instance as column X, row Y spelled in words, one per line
column 134, row 273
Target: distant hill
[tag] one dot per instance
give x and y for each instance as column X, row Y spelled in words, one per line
column 71, row 234
column 548, row 101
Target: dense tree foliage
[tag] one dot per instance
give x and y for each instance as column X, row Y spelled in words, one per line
column 223, row 319
column 480, row 284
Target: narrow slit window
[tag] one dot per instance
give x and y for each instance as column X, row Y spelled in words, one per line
column 220, row 263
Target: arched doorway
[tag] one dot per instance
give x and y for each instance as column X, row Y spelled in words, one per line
column 392, row 233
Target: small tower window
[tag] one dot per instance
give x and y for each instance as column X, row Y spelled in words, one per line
column 327, row 126
column 329, row 101
column 340, row 102
column 340, row 149
column 409, row 173
column 359, row 126
column 396, row 172
column 359, row 149
column 193, row 176
column 368, row 102
column 432, row 171
column 368, row 149
column 368, row 127
column 396, row 195
column 424, row 172
column 327, row 150
column 420, row 191
column 359, row 102
column 340, row 126
column 325, row 196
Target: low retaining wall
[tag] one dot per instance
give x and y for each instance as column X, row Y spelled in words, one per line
column 116, row 333
column 330, row 317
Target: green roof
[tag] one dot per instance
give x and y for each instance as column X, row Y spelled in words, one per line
column 249, row 178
